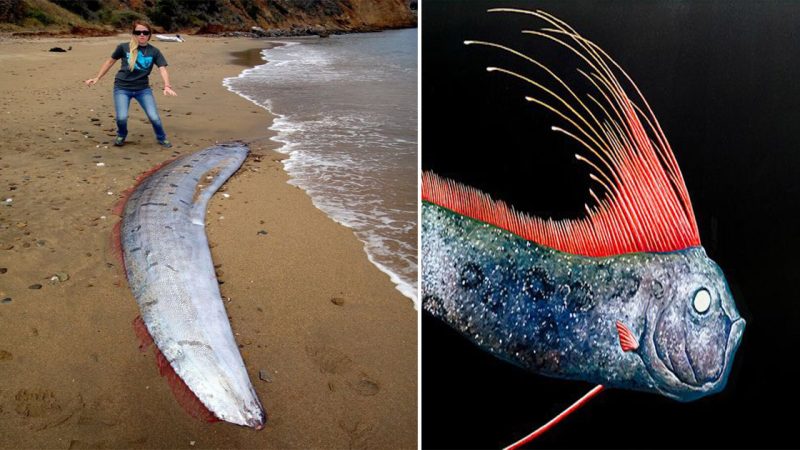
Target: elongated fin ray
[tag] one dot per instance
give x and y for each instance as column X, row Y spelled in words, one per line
column 541, row 430
column 645, row 206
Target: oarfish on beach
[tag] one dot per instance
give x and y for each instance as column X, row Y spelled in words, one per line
column 623, row 297
column 170, row 271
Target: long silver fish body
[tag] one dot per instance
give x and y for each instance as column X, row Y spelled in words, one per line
column 171, row 274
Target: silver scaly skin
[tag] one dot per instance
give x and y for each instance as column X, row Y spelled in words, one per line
column 172, row 276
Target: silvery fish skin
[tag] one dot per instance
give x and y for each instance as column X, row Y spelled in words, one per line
column 555, row 313
column 172, row 276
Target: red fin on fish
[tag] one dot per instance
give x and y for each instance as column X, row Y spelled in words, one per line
column 627, row 340
column 116, row 246
column 645, row 206
column 185, row 397
column 119, row 209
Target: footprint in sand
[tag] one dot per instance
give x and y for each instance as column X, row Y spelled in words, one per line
column 332, row 361
column 329, row 359
column 42, row 408
column 36, row 403
column 357, row 433
column 365, row 385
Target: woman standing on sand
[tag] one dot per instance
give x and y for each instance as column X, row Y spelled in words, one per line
column 135, row 83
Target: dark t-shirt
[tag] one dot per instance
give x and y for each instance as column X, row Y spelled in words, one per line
column 138, row 78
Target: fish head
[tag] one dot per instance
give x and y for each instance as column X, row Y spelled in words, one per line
column 693, row 326
column 244, row 410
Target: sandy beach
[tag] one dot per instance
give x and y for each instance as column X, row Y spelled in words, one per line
column 335, row 342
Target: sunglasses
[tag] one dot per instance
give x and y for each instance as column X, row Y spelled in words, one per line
column 141, row 32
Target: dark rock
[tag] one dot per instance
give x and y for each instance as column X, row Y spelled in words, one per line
column 35, row 286
column 58, row 50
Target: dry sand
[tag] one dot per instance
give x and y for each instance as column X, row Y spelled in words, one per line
column 336, row 340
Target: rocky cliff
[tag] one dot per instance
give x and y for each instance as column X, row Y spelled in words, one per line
column 288, row 16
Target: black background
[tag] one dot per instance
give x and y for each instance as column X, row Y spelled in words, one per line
column 722, row 79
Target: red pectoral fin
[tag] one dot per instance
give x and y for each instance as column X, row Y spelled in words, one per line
column 627, row 340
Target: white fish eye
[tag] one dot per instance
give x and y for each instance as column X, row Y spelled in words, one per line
column 702, row 301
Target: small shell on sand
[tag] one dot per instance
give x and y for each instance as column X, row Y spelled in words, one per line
column 59, row 277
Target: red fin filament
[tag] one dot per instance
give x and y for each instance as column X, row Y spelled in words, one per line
column 646, row 206
column 185, row 397
column 574, row 407
column 627, row 340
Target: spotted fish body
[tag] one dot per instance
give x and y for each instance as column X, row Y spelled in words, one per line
column 171, row 274
column 555, row 313
column 623, row 296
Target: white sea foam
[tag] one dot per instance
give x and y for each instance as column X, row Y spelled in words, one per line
column 345, row 113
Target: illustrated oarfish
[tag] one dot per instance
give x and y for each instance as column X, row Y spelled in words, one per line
column 624, row 296
column 170, row 271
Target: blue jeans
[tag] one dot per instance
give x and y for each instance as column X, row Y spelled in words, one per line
column 122, row 101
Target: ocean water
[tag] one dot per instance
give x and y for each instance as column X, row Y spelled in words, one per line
column 346, row 114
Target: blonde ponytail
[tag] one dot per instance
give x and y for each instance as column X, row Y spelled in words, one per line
column 134, row 53
column 134, row 44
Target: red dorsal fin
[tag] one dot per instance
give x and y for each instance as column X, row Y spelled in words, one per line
column 646, row 206
column 119, row 207
column 627, row 340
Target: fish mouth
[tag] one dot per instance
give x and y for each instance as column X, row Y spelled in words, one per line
column 257, row 424
column 682, row 382
column 256, row 419
column 734, row 339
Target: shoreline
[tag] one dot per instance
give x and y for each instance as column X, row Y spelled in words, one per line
column 308, row 309
column 256, row 58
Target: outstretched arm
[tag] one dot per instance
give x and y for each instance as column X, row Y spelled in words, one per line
column 165, row 76
column 103, row 69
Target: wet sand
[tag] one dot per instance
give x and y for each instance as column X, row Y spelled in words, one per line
column 336, row 342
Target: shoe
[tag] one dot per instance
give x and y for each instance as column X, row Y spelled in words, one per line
column 165, row 143
column 119, row 141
